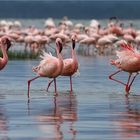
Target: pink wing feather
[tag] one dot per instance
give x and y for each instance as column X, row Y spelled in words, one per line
column 128, row 47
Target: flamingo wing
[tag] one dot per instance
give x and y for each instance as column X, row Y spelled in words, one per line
column 128, row 47
column 67, row 69
column 67, row 64
column 47, row 66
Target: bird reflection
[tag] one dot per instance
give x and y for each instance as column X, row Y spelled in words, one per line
column 129, row 120
column 58, row 121
column 3, row 122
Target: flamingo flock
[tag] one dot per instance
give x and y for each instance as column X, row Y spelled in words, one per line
column 93, row 36
column 124, row 41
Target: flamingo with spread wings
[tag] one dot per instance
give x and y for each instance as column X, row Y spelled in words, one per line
column 129, row 61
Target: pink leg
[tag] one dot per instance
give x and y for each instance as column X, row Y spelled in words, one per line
column 110, row 77
column 29, row 81
column 133, row 79
column 50, row 82
column 129, row 86
column 70, row 84
column 55, row 92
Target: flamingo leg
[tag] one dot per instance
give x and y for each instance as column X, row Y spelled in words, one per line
column 50, row 82
column 55, row 92
column 70, row 84
column 29, row 81
column 129, row 85
column 133, row 79
column 111, row 77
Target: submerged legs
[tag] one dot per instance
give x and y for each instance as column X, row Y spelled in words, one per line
column 129, row 81
column 55, row 88
column 129, row 84
column 29, row 81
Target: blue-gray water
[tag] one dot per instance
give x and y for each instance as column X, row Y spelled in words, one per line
column 98, row 108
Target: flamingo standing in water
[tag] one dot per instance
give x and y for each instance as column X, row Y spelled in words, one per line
column 70, row 64
column 128, row 61
column 49, row 66
column 5, row 45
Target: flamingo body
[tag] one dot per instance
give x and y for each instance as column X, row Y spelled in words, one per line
column 4, row 45
column 49, row 66
column 129, row 61
column 70, row 65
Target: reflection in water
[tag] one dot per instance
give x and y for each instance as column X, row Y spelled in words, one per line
column 129, row 121
column 57, row 121
column 3, row 122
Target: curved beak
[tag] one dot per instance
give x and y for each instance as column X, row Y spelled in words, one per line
column 60, row 47
column 8, row 44
column 73, row 44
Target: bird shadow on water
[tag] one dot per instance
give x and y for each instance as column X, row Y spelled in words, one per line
column 56, row 120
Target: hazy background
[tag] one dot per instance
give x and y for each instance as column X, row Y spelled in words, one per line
column 76, row 9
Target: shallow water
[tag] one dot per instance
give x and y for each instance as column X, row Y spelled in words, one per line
column 97, row 109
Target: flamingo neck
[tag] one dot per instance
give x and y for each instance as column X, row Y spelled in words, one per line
column 60, row 58
column 62, row 31
column 4, row 53
column 74, row 56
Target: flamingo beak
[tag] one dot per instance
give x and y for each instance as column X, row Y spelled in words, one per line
column 60, row 47
column 8, row 44
column 73, row 44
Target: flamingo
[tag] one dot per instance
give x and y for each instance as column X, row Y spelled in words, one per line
column 5, row 45
column 70, row 64
column 128, row 61
column 49, row 66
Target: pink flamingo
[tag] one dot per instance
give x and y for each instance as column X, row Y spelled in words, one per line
column 5, row 45
column 50, row 66
column 70, row 64
column 128, row 61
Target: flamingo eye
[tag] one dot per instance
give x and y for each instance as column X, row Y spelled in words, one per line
column 119, row 63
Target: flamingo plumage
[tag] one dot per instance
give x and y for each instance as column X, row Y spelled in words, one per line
column 70, row 64
column 50, row 66
column 129, row 61
column 5, row 44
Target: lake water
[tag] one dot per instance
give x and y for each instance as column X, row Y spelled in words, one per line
column 97, row 109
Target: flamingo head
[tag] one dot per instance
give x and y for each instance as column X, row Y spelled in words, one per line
column 73, row 38
column 6, row 41
column 59, row 44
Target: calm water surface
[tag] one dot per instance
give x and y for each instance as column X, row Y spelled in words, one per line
column 97, row 109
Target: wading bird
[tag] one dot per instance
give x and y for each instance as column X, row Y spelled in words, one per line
column 128, row 61
column 49, row 66
column 70, row 64
column 4, row 45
